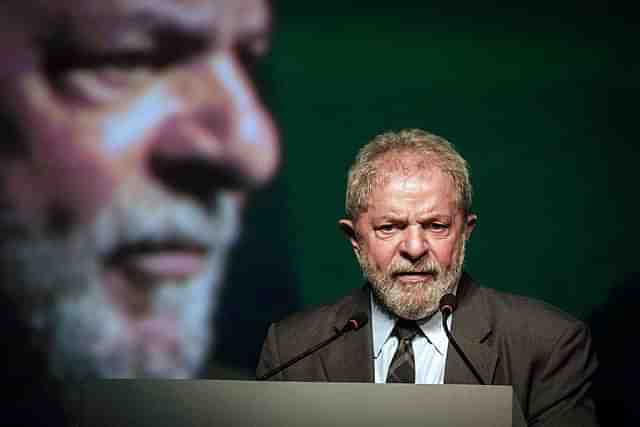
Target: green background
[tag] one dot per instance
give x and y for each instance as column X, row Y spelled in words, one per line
column 542, row 101
column 539, row 99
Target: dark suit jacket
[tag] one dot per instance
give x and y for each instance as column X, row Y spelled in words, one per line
column 542, row 352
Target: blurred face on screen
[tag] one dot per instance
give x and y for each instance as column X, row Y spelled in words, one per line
column 130, row 135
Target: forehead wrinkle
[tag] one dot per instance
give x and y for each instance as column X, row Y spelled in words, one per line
column 406, row 166
column 400, row 175
column 223, row 19
column 111, row 25
column 140, row 19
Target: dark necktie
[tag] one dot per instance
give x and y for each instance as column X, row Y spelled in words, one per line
column 402, row 368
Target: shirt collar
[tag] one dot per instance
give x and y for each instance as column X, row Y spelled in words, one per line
column 382, row 323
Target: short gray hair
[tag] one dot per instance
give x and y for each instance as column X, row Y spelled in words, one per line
column 363, row 173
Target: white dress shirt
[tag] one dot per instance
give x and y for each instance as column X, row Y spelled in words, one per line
column 430, row 349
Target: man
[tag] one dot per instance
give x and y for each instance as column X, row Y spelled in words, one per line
column 130, row 137
column 408, row 220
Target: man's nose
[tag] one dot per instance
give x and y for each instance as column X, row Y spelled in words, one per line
column 220, row 134
column 414, row 244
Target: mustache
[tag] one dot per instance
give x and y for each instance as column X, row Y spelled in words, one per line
column 414, row 271
column 160, row 219
column 424, row 266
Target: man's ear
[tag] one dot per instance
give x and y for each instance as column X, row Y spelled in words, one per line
column 471, row 220
column 349, row 230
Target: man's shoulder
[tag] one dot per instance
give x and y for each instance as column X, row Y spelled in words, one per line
column 318, row 320
column 526, row 316
column 544, row 352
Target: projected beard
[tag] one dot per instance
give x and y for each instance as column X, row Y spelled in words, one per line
column 417, row 300
column 92, row 323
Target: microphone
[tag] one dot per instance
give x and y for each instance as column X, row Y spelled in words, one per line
column 354, row 323
column 448, row 304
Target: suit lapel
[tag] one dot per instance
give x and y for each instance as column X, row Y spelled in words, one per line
column 350, row 359
column 470, row 329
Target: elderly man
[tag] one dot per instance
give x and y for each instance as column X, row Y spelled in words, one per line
column 130, row 136
column 408, row 221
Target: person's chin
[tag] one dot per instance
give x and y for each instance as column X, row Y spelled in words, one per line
column 155, row 346
column 165, row 335
column 171, row 339
column 415, row 298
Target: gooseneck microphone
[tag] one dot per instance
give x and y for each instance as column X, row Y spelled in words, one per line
column 448, row 304
column 354, row 323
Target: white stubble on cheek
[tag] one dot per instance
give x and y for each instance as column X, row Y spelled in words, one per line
column 236, row 84
column 253, row 127
column 143, row 115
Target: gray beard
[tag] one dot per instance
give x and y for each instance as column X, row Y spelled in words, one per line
column 419, row 300
column 56, row 283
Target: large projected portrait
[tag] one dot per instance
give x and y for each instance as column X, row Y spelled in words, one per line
column 172, row 172
column 131, row 136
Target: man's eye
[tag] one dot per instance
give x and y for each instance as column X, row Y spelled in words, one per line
column 98, row 79
column 386, row 228
column 251, row 47
column 438, row 227
column 101, row 86
column 167, row 48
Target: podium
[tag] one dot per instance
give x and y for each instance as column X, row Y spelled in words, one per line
column 199, row 403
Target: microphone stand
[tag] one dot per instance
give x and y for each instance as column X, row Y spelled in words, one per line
column 445, row 314
column 355, row 323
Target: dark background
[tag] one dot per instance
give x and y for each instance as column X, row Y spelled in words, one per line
column 541, row 99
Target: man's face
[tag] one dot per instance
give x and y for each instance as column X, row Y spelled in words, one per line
column 410, row 241
column 137, row 134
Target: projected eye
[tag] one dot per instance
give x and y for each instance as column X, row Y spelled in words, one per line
column 99, row 77
column 102, row 85
column 252, row 48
